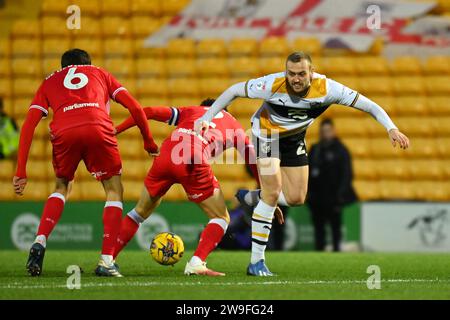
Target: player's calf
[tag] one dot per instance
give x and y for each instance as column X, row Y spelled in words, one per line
column 209, row 239
column 112, row 217
column 132, row 220
column 216, row 210
column 53, row 209
column 128, row 228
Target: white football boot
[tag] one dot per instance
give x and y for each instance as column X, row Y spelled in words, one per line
column 201, row 270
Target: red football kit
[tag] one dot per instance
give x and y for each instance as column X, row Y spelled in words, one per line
column 81, row 128
column 184, row 154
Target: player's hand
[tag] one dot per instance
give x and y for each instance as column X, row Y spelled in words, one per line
column 397, row 137
column 201, row 126
column 152, row 148
column 19, row 185
column 154, row 154
column 115, row 131
column 279, row 215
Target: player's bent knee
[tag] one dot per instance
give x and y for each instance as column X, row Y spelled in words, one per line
column 296, row 199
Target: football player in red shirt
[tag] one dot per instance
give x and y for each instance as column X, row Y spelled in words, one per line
column 184, row 159
column 81, row 129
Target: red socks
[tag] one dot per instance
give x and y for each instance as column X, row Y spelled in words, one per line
column 112, row 216
column 128, row 229
column 53, row 209
column 210, row 237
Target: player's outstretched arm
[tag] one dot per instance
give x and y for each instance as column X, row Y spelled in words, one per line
column 343, row 95
column 395, row 136
column 160, row 113
column 138, row 115
column 236, row 90
column 26, row 137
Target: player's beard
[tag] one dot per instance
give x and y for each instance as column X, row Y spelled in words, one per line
column 302, row 89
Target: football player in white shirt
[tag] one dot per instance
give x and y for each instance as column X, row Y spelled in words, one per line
column 292, row 100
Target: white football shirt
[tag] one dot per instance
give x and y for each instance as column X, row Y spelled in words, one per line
column 288, row 114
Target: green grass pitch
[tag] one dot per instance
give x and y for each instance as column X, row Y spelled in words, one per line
column 299, row 276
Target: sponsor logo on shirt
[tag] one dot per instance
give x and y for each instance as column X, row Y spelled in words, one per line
column 81, row 105
column 192, row 133
column 297, row 114
column 282, row 101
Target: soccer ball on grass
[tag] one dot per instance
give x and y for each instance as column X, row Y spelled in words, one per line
column 167, row 248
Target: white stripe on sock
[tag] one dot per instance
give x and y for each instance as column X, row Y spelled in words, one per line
column 135, row 216
column 220, row 222
column 57, row 195
column 117, row 204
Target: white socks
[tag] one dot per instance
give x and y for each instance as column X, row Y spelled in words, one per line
column 42, row 240
column 253, row 196
column 261, row 225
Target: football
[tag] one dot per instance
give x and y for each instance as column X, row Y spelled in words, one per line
column 167, row 248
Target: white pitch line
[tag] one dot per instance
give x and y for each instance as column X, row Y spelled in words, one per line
column 16, row 285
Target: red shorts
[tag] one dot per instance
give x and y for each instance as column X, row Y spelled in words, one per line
column 198, row 180
column 95, row 145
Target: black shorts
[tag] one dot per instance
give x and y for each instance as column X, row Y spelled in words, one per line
column 290, row 150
